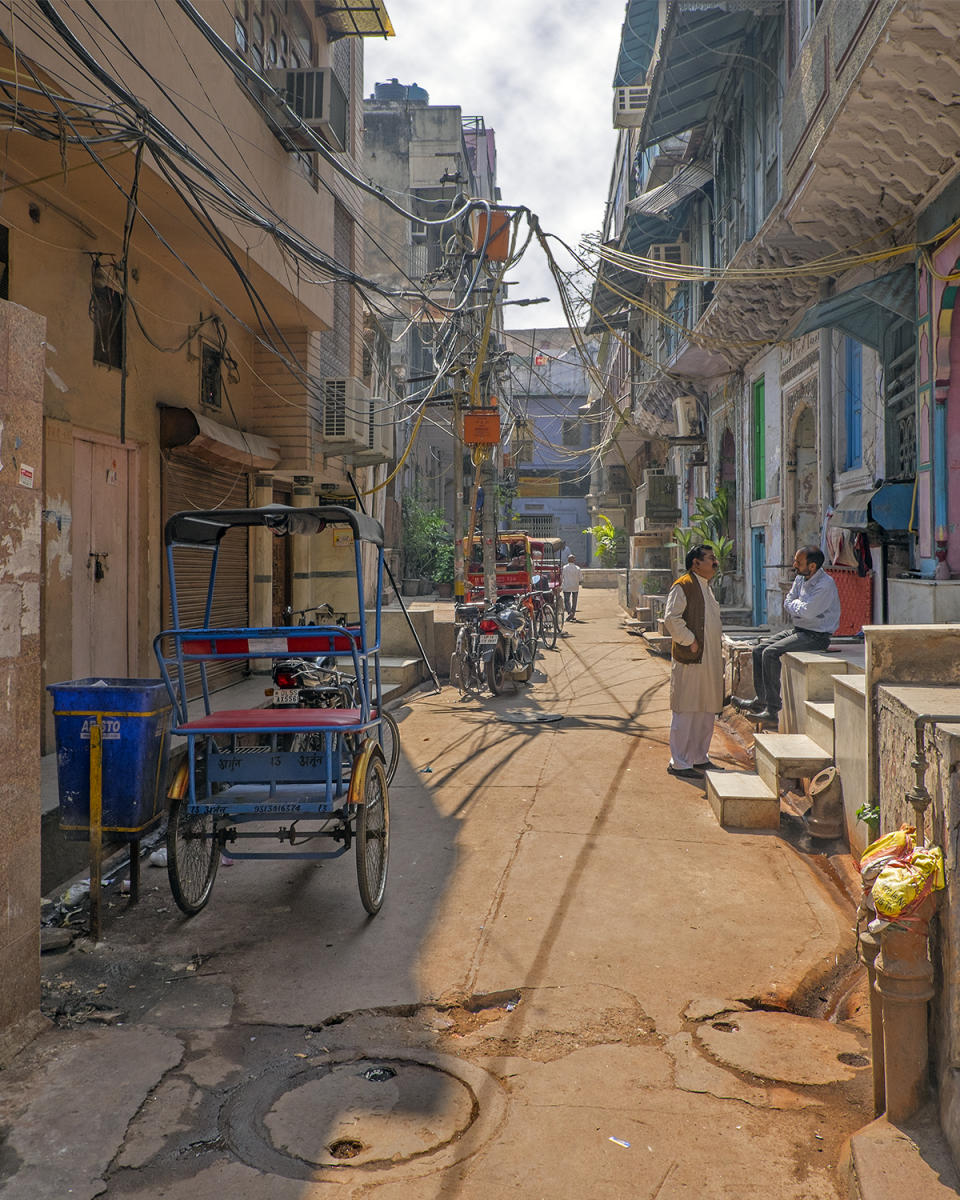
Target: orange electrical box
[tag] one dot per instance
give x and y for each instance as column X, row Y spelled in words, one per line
column 498, row 248
column 481, row 427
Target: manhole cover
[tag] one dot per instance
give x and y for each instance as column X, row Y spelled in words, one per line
column 329, row 1115
column 529, row 717
column 782, row 1046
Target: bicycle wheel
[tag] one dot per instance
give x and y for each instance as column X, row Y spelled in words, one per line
column 373, row 834
column 495, row 668
column 548, row 627
column 193, row 855
column 389, row 744
column 527, row 644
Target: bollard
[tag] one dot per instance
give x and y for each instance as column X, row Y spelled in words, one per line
column 868, row 950
column 904, row 982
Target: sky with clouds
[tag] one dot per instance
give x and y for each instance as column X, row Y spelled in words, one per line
column 541, row 76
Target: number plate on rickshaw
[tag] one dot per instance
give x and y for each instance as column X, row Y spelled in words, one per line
column 489, row 639
column 286, row 695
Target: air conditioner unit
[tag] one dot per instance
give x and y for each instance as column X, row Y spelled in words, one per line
column 677, row 254
column 379, row 434
column 318, row 99
column 687, row 415
column 345, row 423
column 629, row 105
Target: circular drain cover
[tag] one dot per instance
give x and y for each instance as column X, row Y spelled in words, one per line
column 782, row 1046
column 529, row 716
column 416, row 1110
column 342, row 1112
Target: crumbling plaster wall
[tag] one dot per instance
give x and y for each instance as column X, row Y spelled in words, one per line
column 22, row 356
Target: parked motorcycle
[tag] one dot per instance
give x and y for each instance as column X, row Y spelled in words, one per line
column 316, row 683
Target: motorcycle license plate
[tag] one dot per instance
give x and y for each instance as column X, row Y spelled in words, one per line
column 286, row 695
column 489, row 639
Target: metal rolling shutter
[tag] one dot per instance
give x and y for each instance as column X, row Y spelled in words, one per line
column 188, row 483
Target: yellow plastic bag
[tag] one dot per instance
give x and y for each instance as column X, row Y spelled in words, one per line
column 901, row 886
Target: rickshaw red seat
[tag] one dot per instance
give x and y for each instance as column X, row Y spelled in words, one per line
column 264, row 720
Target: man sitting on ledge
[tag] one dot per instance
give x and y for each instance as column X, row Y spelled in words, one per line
column 813, row 605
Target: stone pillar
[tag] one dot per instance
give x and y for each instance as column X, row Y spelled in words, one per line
column 302, row 589
column 22, row 360
column 905, row 984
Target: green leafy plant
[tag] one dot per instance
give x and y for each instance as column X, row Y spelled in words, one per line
column 609, row 540
column 424, row 533
column 441, row 569
column 869, row 814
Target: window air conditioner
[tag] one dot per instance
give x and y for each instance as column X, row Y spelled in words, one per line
column 345, row 423
column 677, row 254
column 318, row 99
column 629, row 105
column 379, row 434
column 687, row 415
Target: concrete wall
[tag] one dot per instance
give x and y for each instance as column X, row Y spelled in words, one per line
column 923, row 601
column 21, row 399
column 897, row 706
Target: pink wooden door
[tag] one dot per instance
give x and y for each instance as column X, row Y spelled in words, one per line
column 103, row 529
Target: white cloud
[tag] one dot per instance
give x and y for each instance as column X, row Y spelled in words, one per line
column 541, row 77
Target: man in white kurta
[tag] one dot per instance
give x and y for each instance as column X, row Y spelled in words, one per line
column 696, row 680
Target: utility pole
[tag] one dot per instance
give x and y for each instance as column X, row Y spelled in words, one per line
column 487, row 474
column 458, row 565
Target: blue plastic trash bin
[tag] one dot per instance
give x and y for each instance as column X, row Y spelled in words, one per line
column 135, row 719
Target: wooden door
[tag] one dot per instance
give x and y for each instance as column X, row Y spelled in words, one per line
column 104, row 529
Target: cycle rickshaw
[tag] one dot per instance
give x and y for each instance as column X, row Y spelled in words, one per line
column 317, row 774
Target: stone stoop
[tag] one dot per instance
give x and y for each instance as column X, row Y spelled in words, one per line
column 820, row 717
column 644, row 614
column 890, row 1162
column 788, row 756
column 742, row 801
column 658, row 644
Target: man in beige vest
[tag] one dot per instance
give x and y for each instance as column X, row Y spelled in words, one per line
column 692, row 619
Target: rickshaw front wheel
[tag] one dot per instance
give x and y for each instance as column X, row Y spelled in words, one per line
column 193, row 855
column 372, row 831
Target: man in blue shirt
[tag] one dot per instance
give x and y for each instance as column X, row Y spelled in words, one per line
column 813, row 605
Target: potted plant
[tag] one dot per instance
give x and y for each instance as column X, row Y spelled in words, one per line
column 416, row 544
column 441, row 571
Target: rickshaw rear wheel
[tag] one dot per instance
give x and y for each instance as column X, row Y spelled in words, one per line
column 390, row 745
column 372, row 832
column 193, row 855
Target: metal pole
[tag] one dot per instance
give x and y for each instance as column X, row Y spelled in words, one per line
column 96, row 823
column 393, row 583
column 458, row 566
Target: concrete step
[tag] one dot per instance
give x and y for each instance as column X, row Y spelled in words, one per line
column 643, row 613
column 658, row 644
column 788, row 756
column 820, row 723
column 742, row 801
column 661, row 628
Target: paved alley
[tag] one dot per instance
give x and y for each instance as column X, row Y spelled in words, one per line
column 579, row 986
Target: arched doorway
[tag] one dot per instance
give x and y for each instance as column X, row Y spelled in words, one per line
column 804, row 526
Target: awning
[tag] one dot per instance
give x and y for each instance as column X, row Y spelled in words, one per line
column 637, row 40
column 181, row 427
column 354, row 18
column 888, row 506
column 689, row 179
column 867, row 311
column 700, row 49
